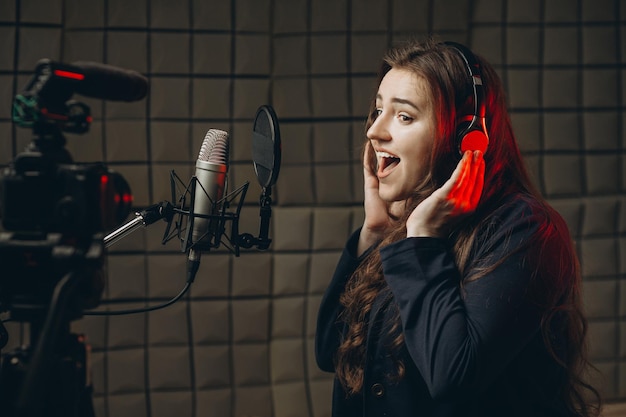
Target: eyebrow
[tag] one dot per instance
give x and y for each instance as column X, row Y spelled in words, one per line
column 399, row 101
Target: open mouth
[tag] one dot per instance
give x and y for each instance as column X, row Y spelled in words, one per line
column 386, row 162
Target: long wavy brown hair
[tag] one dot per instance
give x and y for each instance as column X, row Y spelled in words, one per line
column 444, row 71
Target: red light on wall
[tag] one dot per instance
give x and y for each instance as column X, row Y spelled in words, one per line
column 69, row 74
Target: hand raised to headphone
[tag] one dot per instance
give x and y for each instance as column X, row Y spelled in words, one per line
column 457, row 198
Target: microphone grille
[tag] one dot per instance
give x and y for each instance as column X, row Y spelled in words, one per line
column 215, row 147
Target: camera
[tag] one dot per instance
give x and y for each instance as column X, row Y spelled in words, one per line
column 54, row 211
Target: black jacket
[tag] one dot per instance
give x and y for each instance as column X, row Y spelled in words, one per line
column 471, row 351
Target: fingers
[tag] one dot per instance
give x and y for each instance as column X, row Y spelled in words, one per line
column 472, row 188
column 450, row 189
column 454, row 186
column 467, row 183
column 368, row 157
column 478, row 184
column 459, row 182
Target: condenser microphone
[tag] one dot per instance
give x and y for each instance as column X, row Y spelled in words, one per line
column 211, row 170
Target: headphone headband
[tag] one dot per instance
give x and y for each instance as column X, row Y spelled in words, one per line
column 472, row 136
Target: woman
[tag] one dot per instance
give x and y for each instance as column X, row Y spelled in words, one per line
column 460, row 294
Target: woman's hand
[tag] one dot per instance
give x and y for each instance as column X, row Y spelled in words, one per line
column 379, row 214
column 457, row 198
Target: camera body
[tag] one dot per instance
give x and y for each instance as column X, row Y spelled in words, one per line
column 39, row 195
column 54, row 215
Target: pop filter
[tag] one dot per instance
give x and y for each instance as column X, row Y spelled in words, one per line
column 266, row 146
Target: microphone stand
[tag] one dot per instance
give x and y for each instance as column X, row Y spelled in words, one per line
column 266, row 213
column 263, row 242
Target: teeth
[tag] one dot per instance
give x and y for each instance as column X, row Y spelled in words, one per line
column 385, row 155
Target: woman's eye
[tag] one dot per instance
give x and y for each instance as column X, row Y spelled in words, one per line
column 405, row 118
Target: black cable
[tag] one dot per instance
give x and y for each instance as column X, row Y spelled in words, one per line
column 141, row 310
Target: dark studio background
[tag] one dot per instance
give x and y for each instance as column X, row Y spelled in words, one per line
column 241, row 344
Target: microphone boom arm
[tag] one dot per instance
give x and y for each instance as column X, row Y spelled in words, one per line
column 162, row 210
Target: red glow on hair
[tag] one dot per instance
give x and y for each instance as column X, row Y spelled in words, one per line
column 69, row 74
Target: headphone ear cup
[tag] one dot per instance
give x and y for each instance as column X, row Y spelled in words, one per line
column 474, row 140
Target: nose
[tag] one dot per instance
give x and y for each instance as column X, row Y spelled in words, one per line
column 379, row 129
